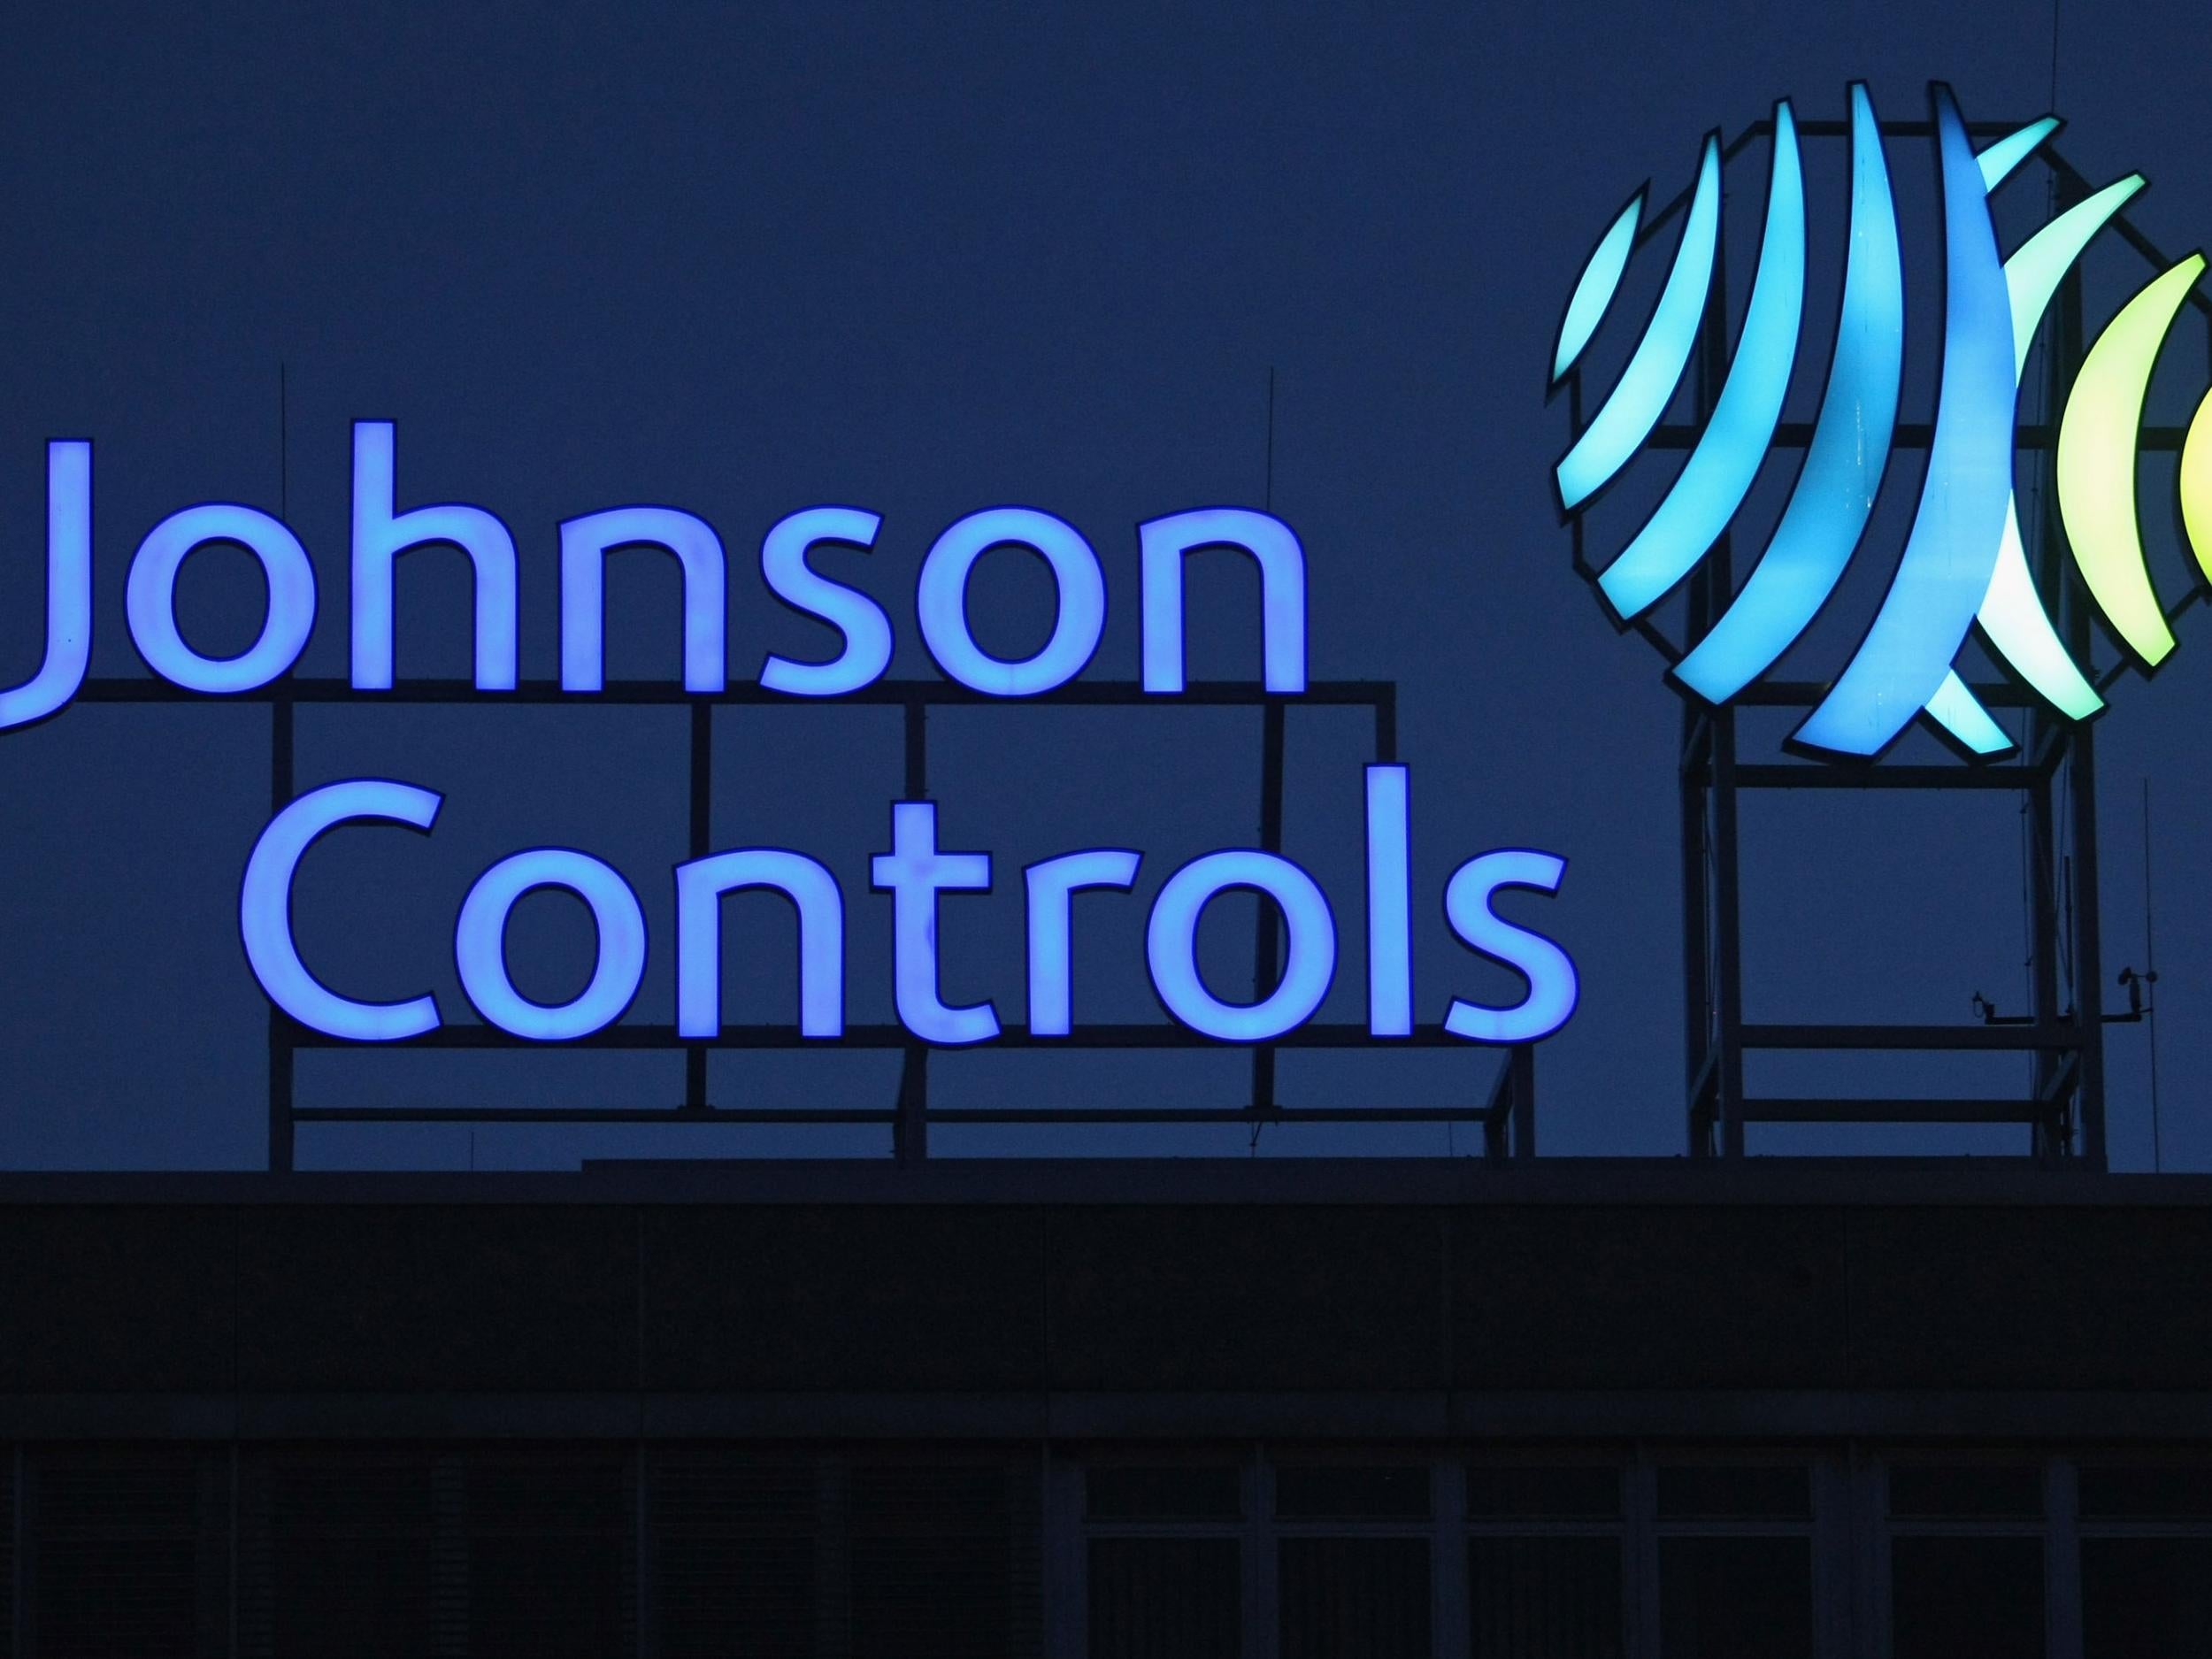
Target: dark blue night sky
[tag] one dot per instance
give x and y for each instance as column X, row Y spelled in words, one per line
column 924, row 260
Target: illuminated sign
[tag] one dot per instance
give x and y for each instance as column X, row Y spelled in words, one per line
column 1963, row 564
column 915, row 872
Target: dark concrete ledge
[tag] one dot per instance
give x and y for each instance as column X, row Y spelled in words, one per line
column 1098, row 1181
column 1719, row 1416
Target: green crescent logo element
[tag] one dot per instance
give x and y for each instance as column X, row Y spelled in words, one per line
column 1963, row 567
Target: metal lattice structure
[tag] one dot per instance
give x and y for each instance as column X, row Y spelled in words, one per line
column 1505, row 1118
column 2055, row 774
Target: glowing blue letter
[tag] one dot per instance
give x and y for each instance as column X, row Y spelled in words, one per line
column 68, row 589
column 811, row 889
column 1051, row 975
column 150, row 598
column 867, row 631
column 585, row 544
column 1550, row 972
column 1389, row 905
column 480, row 944
column 264, row 908
column 1282, row 563
column 378, row 538
column 1171, row 938
column 913, row 873
column 941, row 602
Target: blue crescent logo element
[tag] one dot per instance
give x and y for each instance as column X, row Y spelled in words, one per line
column 1963, row 565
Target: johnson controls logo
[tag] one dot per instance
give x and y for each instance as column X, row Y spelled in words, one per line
column 1963, row 564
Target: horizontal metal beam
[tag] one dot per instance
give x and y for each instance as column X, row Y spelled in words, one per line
column 1151, row 1035
column 1911, row 435
column 1821, row 775
column 1979, row 1039
column 1807, row 693
column 1894, row 1111
column 862, row 1115
column 884, row 693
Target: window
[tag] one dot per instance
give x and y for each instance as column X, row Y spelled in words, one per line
column 1556, row 1597
column 1966, row 1560
column 1966, row 1597
column 1544, row 1562
column 1165, row 1561
column 2146, row 1560
column 1165, row 1598
column 1355, row 1598
column 1736, row 1598
column 1735, row 1560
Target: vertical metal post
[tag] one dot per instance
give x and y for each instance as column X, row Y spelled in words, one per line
column 1522, row 1061
column 700, row 843
column 1261, row 1594
column 1066, row 1590
column 1697, row 1044
column 2052, row 739
column 1724, row 977
column 2088, row 944
column 1266, row 953
column 2062, row 1560
column 280, row 797
column 910, row 1134
column 1727, row 940
column 280, row 1048
column 1449, row 1614
column 2081, row 787
column 2043, row 944
column 19, row 1555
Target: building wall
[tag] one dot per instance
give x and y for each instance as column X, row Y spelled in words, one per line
column 1119, row 1412
column 1400, row 1300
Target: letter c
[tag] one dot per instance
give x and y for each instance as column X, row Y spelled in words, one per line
column 264, row 908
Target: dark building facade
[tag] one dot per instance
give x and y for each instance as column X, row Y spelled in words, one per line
column 1111, row 1410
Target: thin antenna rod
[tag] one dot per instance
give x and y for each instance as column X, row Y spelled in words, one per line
column 2055, row 5
column 2150, row 974
column 1268, row 499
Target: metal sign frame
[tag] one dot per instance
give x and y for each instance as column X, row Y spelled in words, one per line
column 2054, row 771
column 1505, row 1116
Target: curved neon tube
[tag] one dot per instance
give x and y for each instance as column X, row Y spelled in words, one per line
column 1951, row 547
column 2012, row 616
column 1634, row 405
column 1594, row 290
column 1714, row 482
column 1828, row 508
column 2009, row 151
column 2196, row 485
column 1958, row 711
column 2097, row 440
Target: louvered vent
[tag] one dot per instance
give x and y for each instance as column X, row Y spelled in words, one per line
column 339, row 1555
column 549, row 1555
column 944, row 1562
column 116, row 1558
column 734, row 1540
